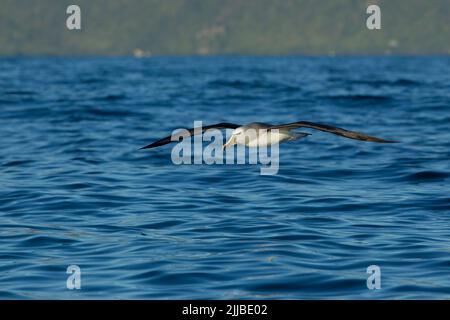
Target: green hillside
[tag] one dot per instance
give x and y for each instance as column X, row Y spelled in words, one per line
column 185, row 27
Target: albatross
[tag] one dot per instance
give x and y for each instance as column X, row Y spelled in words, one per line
column 267, row 134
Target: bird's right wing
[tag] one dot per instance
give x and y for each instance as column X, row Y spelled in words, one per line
column 191, row 132
column 335, row 130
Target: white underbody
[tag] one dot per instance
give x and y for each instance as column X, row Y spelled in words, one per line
column 267, row 138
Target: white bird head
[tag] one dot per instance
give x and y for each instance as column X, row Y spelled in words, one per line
column 233, row 139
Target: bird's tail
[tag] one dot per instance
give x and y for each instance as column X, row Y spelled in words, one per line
column 298, row 135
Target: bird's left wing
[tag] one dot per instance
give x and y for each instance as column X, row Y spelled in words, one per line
column 335, row 130
column 191, row 132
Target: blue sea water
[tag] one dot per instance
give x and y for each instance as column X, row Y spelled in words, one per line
column 76, row 190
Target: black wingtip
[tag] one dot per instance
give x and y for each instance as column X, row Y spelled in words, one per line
column 147, row 147
column 387, row 141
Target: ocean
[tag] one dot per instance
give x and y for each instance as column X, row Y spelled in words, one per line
column 75, row 190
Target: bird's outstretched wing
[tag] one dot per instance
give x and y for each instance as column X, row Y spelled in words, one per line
column 193, row 131
column 335, row 130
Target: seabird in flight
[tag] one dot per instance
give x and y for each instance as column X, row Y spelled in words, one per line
column 267, row 134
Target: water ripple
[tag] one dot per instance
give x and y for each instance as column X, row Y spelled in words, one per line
column 75, row 189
